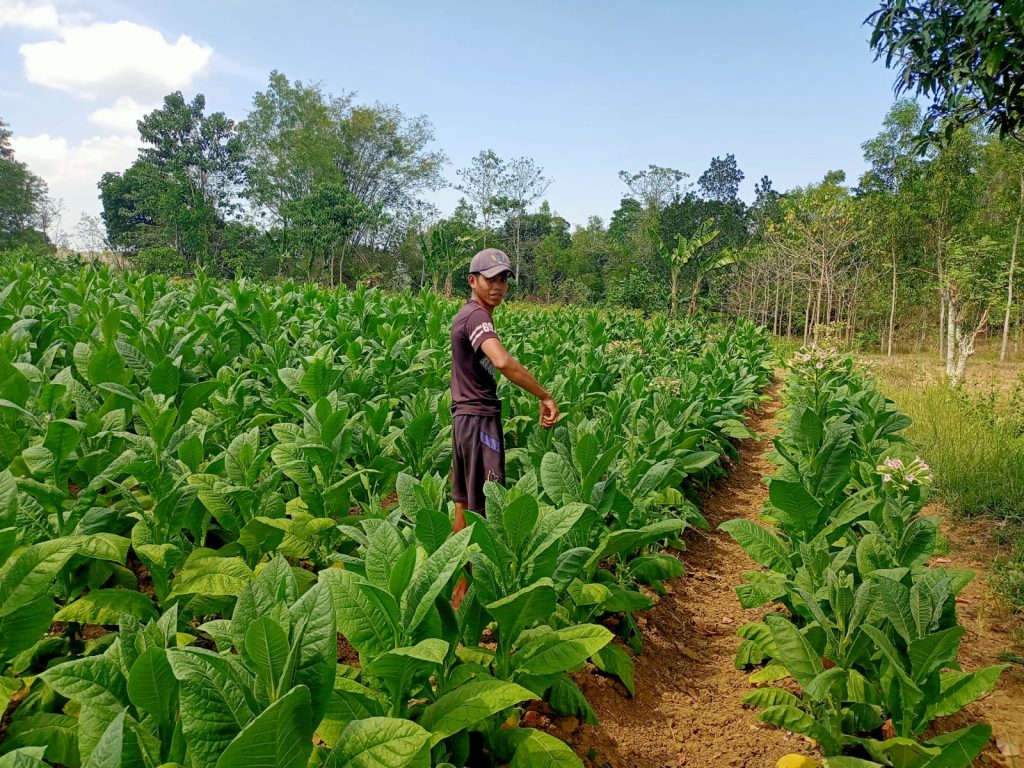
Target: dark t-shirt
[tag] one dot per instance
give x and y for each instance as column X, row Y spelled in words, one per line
column 474, row 384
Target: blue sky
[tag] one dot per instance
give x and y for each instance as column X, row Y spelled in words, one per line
column 584, row 88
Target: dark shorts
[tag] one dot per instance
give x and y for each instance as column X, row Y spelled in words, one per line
column 478, row 455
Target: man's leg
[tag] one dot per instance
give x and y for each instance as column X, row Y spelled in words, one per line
column 462, row 585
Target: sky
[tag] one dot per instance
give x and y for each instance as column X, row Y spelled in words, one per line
column 585, row 89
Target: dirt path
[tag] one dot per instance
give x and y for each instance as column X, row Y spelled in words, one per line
column 687, row 710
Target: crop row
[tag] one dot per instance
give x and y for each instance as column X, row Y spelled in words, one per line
column 225, row 536
column 860, row 654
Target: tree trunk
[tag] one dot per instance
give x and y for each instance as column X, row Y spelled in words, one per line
column 807, row 316
column 951, row 323
column 1013, row 268
column 965, row 348
column 892, row 305
column 942, row 298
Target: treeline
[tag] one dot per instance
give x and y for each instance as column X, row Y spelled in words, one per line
column 921, row 252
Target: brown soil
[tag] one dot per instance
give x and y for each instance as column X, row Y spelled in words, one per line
column 688, row 709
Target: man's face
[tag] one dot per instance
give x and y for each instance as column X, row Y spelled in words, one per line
column 489, row 291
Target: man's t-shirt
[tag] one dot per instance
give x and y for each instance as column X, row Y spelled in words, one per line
column 474, row 384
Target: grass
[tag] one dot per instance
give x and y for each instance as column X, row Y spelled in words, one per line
column 974, row 441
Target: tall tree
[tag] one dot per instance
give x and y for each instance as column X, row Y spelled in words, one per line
column 522, row 185
column 889, row 191
column 183, row 186
column 654, row 187
column 721, row 181
column 387, row 164
column 22, row 195
column 482, row 182
column 292, row 143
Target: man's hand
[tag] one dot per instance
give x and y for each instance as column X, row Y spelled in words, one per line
column 548, row 413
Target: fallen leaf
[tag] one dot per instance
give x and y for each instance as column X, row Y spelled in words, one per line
column 1007, row 748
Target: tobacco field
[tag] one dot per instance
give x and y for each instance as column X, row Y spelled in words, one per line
column 225, row 535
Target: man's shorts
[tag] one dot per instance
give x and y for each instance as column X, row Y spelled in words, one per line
column 478, row 455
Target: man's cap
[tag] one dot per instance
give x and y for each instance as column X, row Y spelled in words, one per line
column 490, row 262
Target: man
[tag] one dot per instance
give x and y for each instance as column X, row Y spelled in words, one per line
column 478, row 443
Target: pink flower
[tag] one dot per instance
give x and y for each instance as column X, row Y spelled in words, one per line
column 819, row 366
column 886, row 478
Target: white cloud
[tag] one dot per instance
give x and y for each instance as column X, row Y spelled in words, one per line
column 18, row 13
column 120, row 58
column 72, row 170
column 122, row 115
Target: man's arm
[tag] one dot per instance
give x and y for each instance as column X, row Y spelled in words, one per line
column 514, row 371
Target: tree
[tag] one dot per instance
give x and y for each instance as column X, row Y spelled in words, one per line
column 889, row 192
column 523, row 184
column 965, row 55
column 482, row 182
column 22, row 195
column 721, row 181
column 1001, row 172
column 444, row 250
column 971, row 282
column 387, row 164
column 292, row 143
column 686, row 253
column 182, row 187
column 324, row 221
column 655, row 187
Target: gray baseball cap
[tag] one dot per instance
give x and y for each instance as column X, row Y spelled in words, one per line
column 490, row 262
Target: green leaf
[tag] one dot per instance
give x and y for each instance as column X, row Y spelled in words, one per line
column 23, row 628
column 56, row 734
column 164, row 378
column 468, row 704
column 404, row 663
column 523, row 609
column 96, row 682
column 959, row 748
column 566, row 698
column 432, row 528
column 428, row 581
column 105, row 364
column 960, row 689
column 27, row 757
column 562, row 650
column 279, row 737
column 558, row 479
column 615, row 661
column 124, row 744
column 770, row 697
column 215, row 701
column 62, row 437
column 360, row 618
column 319, row 646
column 205, row 572
column 763, row 546
column 934, row 651
column 518, row 520
column 105, row 606
column 152, row 687
column 541, row 750
column 794, row 651
column 266, row 651
column 796, row 510
column 379, row 742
